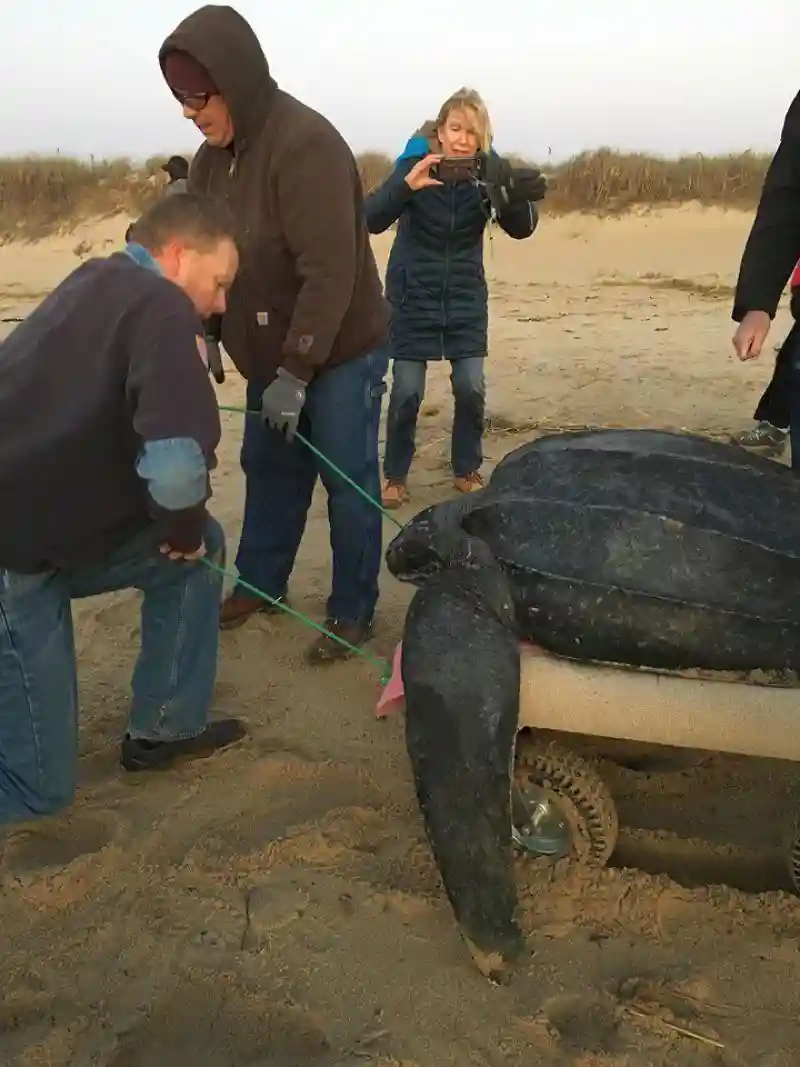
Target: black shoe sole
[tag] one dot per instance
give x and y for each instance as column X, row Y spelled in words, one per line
column 766, row 451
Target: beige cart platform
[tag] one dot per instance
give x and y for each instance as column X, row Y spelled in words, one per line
column 561, row 803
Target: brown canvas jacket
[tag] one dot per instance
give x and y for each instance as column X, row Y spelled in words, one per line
column 308, row 295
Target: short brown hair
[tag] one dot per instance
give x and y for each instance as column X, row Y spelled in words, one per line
column 194, row 218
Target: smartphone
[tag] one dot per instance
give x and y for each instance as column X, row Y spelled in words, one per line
column 457, row 169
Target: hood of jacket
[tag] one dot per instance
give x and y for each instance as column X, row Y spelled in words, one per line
column 420, row 143
column 217, row 36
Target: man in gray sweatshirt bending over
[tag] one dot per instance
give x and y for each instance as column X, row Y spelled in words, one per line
column 110, row 426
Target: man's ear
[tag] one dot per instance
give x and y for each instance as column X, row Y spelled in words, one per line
column 170, row 256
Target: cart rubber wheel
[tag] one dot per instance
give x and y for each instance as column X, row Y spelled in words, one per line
column 577, row 791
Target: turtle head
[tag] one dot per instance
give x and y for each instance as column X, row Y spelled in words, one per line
column 434, row 541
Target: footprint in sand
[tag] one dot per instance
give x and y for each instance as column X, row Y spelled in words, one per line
column 584, row 1023
column 55, row 844
column 219, row 1027
column 271, row 907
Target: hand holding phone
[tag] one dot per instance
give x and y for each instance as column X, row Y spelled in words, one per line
column 421, row 174
column 451, row 169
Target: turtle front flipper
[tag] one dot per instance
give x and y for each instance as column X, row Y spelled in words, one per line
column 461, row 673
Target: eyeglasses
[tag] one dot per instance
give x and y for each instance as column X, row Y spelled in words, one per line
column 194, row 101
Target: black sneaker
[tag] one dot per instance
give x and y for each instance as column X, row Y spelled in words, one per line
column 138, row 754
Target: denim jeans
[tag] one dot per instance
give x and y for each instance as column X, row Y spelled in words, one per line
column 173, row 680
column 341, row 419
column 408, row 389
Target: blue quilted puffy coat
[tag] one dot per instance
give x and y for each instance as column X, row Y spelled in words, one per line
column 435, row 281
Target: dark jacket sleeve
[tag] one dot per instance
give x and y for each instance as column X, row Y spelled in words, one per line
column 773, row 247
column 212, row 328
column 197, row 182
column 387, row 203
column 519, row 220
column 175, row 419
column 321, row 213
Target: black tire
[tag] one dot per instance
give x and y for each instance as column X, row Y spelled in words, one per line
column 580, row 793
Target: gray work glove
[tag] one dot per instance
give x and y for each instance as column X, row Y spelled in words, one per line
column 282, row 403
column 215, row 360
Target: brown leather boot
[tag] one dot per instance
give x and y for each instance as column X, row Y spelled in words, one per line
column 325, row 650
column 469, row 483
column 394, row 494
column 239, row 607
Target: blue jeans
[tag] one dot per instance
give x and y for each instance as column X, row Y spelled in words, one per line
column 408, row 389
column 341, row 419
column 173, row 680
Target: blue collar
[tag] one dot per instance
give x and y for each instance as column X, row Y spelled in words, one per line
column 140, row 255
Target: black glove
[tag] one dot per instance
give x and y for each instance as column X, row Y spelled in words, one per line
column 213, row 335
column 214, row 357
column 512, row 185
column 282, row 402
column 527, row 183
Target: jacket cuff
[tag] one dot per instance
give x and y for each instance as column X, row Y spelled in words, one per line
column 181, row 530
column 740, row 310
column 294, row 365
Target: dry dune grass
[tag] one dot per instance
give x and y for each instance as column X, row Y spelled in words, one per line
column 39, row 195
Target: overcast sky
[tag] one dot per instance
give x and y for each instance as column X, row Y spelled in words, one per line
column 82, row 76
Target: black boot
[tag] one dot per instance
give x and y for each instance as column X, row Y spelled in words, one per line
column 138, row 754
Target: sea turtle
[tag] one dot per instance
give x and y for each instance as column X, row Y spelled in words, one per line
column 640, row 548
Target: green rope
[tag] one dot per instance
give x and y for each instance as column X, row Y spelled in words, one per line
column 384, row 665
column 312, row 448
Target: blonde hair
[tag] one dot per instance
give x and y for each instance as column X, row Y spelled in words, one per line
column 465, row 99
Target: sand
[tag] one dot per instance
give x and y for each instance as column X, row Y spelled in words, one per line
column 276, row 905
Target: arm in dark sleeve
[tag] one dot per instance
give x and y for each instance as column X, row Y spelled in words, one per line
column 321, row 215
column 387, row 203
column 212, row 328
column 519, row 220
column 773, row 247
column 176, row 419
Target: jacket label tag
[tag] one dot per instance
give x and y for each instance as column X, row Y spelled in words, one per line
column 262, row 318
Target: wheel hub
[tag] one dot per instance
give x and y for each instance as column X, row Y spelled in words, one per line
column 538, row 825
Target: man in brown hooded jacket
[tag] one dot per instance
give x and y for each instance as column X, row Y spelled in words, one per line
column 306, row 322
